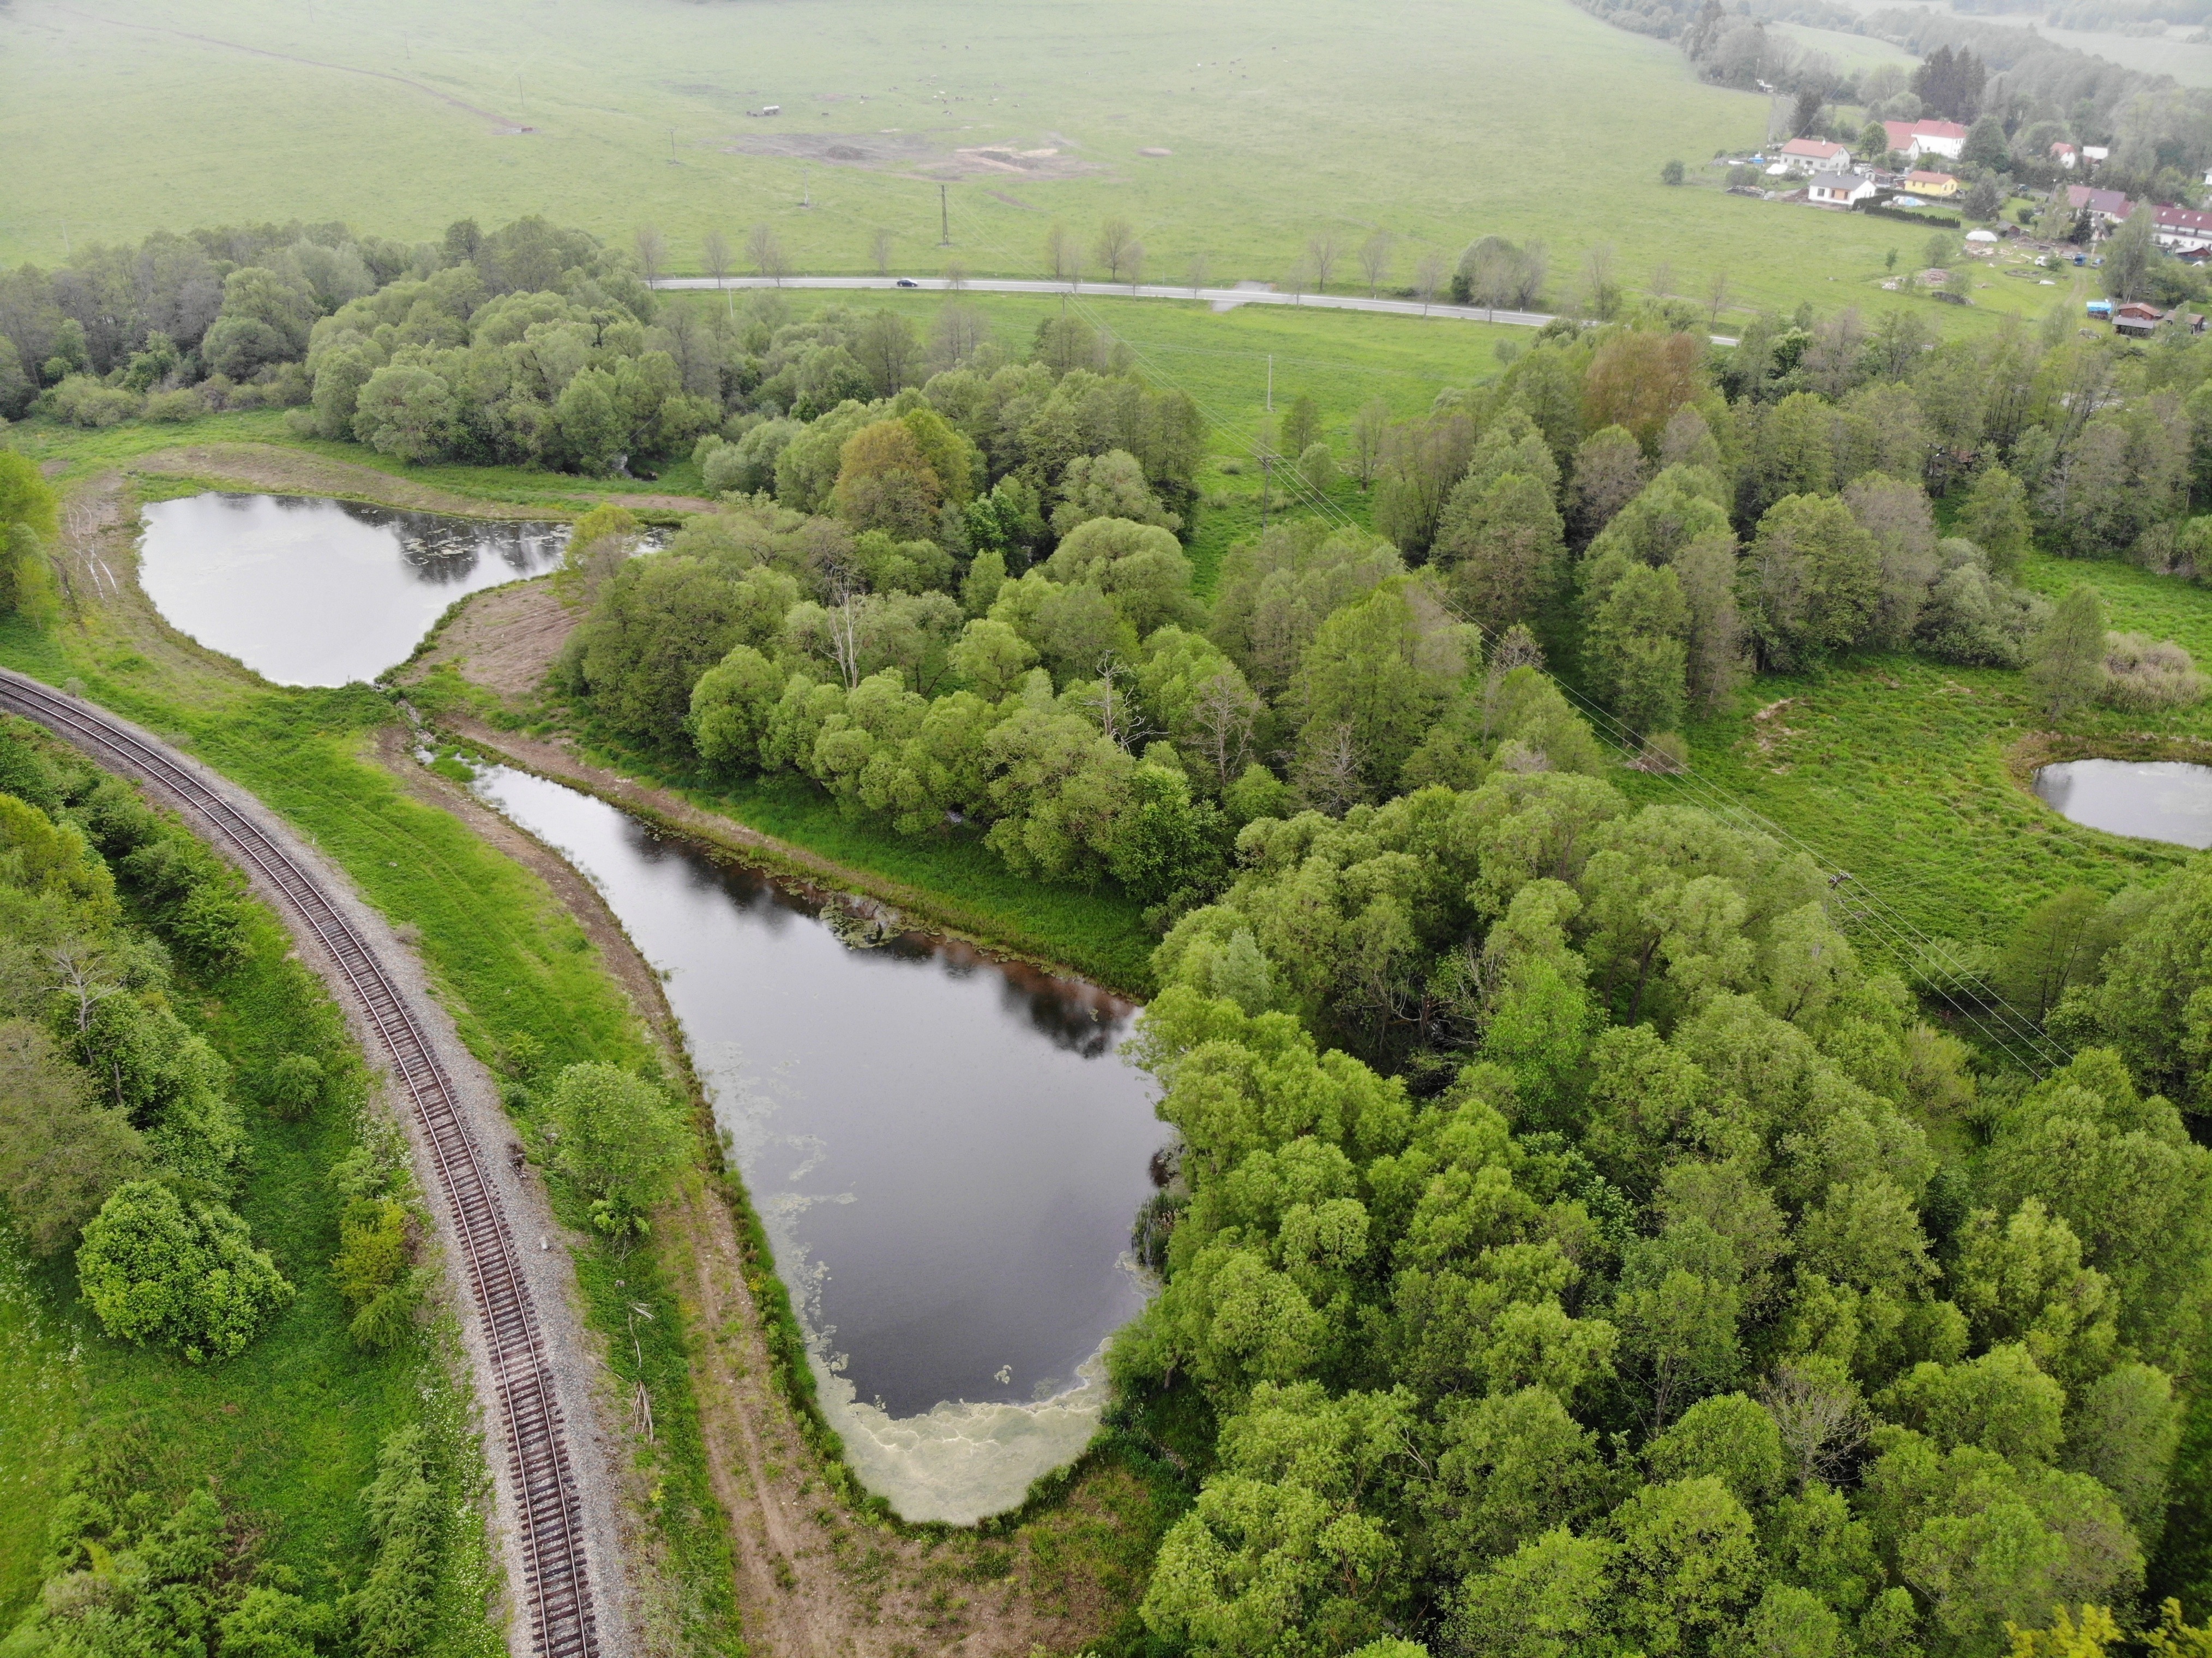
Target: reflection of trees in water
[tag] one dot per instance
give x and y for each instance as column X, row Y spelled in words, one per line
column 1071, row 1013
column 443, row 551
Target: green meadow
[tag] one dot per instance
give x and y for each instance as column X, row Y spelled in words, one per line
column 1434, row 122
column 1913, row 775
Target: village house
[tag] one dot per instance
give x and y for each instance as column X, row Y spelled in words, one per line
column 2183, row 230
column 1915, row 139
column 1939, row 184
column 1840, row 190
column 2066, row 155
column 2108, row 206
column 1814, row 155
column 2139, row 321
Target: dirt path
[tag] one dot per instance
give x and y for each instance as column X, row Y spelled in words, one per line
column 297, row 472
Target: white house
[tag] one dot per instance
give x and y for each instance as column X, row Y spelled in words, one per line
column 1814, row 155
column 1839, row 189
column 2181, row 230
column 1915, row 139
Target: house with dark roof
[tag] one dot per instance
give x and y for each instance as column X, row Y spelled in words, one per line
column 2109, row 207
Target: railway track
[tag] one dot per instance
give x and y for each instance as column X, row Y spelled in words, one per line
column 556, row 1590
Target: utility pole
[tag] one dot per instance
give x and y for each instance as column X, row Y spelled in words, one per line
column 1271, row 382
column 672, row 146
column 805, row 186
column 944, row 218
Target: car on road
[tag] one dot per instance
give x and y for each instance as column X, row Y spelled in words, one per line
column 906, row 281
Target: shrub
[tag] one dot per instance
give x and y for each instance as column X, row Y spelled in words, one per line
column 180, row 405
column 2143, row 676
column 295, row 1086
column 617, row 1138
column 154, row 1270
column 1671, row 173
column 83, row 401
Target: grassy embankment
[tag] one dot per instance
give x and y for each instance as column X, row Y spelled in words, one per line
column 286, row 1432
column 1528, row 118
column 507, row 960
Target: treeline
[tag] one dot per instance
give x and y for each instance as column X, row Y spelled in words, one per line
column 967, row 605
column 122, row 1133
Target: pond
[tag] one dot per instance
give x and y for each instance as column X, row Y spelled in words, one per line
column 311, row 592
column 946, row 1149
column 2150, row 799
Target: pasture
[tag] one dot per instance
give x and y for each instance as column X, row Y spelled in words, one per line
column 1233, row 134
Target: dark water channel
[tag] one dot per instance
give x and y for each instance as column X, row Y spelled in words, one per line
column 2151, row 800
column 309, row 591
column 947, row 1150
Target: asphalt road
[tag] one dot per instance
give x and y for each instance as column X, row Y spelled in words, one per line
column 1222, row 299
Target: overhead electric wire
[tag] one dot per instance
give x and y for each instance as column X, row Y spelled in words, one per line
column 1895, row 931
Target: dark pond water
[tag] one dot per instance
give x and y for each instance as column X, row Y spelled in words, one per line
column 309, row 591
column 947, row 1150
column 2150, row 799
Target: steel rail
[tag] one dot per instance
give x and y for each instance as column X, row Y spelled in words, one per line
column 557, row 1587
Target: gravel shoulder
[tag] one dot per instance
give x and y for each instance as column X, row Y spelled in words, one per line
column 98, row 565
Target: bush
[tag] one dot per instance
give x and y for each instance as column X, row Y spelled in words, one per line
column 2143, row 676
column 83, row 401
column 295, row 1086
column 616, row 1136
column 154, row 1270
column 169, row 406
column 1671, row 173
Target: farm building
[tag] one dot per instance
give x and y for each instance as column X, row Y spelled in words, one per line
column 2183, row 230
column 1815, row 155
column 1939, row 184
column 2139, row 320
column 1840, row 190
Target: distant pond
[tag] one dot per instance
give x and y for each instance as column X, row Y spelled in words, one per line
column 947, row 1150
column 2150, row 799
column 311, row 592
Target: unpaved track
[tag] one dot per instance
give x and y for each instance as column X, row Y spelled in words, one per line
column 555, row 1498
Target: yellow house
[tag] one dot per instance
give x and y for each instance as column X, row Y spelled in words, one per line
column 1942, row 185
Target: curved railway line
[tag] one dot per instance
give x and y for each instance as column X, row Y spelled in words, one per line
column 556, row 1592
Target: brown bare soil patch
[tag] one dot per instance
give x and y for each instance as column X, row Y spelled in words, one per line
column 912, row 152
column 504, row 639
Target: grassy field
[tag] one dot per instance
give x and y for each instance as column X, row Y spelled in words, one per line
column 289, row 1430
column 1438, row 123
column 1912, row 776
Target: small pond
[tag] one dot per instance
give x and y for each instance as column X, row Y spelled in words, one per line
column 309, row 591
column 947, row 1150
column 2151, row 800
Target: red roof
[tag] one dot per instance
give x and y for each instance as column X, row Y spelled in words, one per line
column 1899, row 134
column 1819, row 147
column 2110, row 203
column 1938, row 130
column 2183, row 218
